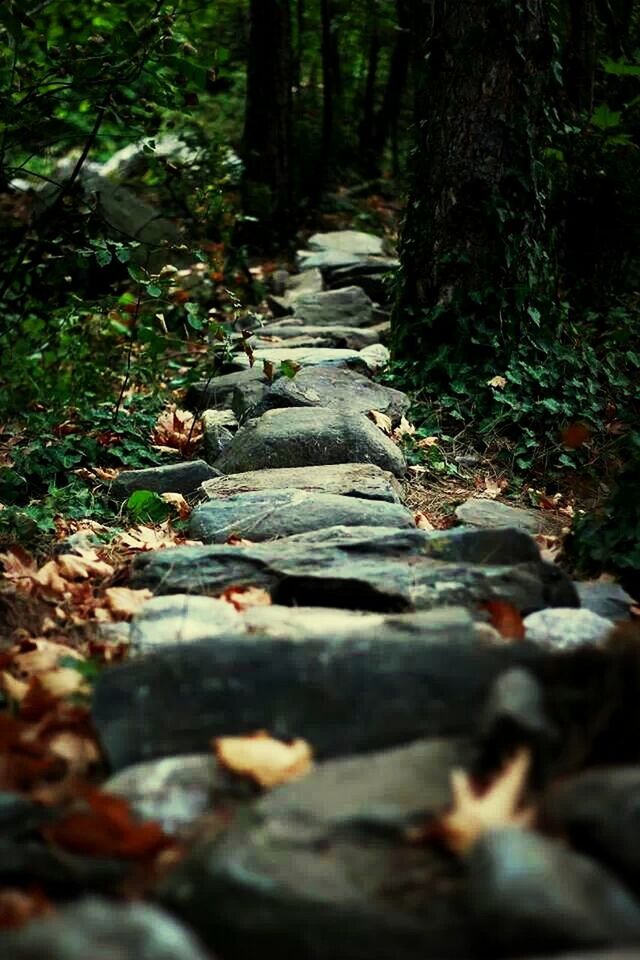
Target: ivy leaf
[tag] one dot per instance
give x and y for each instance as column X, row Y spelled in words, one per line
column 145, row 506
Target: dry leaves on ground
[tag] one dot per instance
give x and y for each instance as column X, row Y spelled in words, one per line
column 382, row 421
column 506, row 619
column 261, row 758
column 243, row 597
column 475, row 812
column 143, row 538
column 176, row 429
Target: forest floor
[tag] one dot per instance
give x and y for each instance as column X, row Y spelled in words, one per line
column 245, row 696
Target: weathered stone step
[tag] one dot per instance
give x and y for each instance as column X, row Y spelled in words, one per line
column 343, row 696
column 328, row 387
column 303, row 335
column 370, row 360
column 364, row 480
column 267, row 514
column 377, row 569
column 309, row 436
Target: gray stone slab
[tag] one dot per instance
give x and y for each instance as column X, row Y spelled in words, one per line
column 364, row 480
column 311, row 436
column 304, row 357
column 530, row 893
column 606, row 598
column 346, row 307
column 167, row 620
column 218, row 391
column 305, row 335
column 334, row 388
column 343, row 696
column 360, row 568
column 478, row 512
column 101, row 930
column 350, row 241
column 270, row 514
column 182, row 478
column 326, row 872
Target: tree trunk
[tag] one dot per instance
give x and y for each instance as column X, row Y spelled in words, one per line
column 366, row 134
column 580, row 59
column 475, row 265
column 267, row 148
column 331, row 84
column 386, row 120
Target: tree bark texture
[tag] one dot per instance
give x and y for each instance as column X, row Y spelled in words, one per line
column 473, row 239
column 267, row 147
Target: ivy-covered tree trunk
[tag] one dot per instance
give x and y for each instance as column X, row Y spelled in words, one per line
column 475, row 266
column 267, row 147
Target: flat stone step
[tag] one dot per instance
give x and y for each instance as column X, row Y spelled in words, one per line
column 360, row 568
column 364, row 480
column 309, row 436
column 270, row 514
column 328, row 387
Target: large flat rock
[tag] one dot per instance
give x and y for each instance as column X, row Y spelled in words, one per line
column 361, row 360
column 300, row 334
column 101, row 930
column 185, row 618
column 325, row 871
column 343, row 696
column 355, row 242
column 364, row 480
column 217, row 392
column 268, row 514
column 346, row 307
column 182, row 478
column 360, row 568
column 334, row 388
column 305, row 437
column 478, row 512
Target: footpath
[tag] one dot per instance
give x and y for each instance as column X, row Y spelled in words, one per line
column 381, row 645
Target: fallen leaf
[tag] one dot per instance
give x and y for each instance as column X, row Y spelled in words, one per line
column 267, row 761
column 499, row 383
column 243, row 597
column 422, row 522
column 103, row 825
column 493, row 488
column 17, row 906
column 474, row 813
column 575, row 435
column 45, row 655
column 86, row 564
column 382, row 421
column 15, row 689
column 404, row 429
column 124, row 601
column 427, row 442
column 179, row 504
column 505, row 618
column 176, row 429
column 80, row 752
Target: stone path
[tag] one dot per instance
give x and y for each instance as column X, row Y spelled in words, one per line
column 377, row 648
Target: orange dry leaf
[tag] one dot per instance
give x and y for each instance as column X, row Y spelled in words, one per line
column 178, row 502
column 575, row 435
column 17, row 906
column 103, row 825
column 243, row 597
column 125, row 602
column 267, row 761
column 86, row 564
column 176, row 430
column 381, row 420
column 143, row 538
column 505, row 618
column 475, row 813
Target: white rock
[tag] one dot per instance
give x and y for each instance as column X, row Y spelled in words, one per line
column 566, row 628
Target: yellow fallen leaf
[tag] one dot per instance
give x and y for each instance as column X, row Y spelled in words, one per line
column 178, row 502
column 475, row 813
column 499, row 383
column 422, row 521
column 427, row 442
column 124, row 601
column 381, row 420
column 86, row 564
column 46, row 656
column 80, row 752
column 267, row 761
column 405, row 429
column 15, row 689
column 63, row 682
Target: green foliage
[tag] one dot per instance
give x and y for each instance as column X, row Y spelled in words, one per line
column 608, row 538
column 145, row 506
